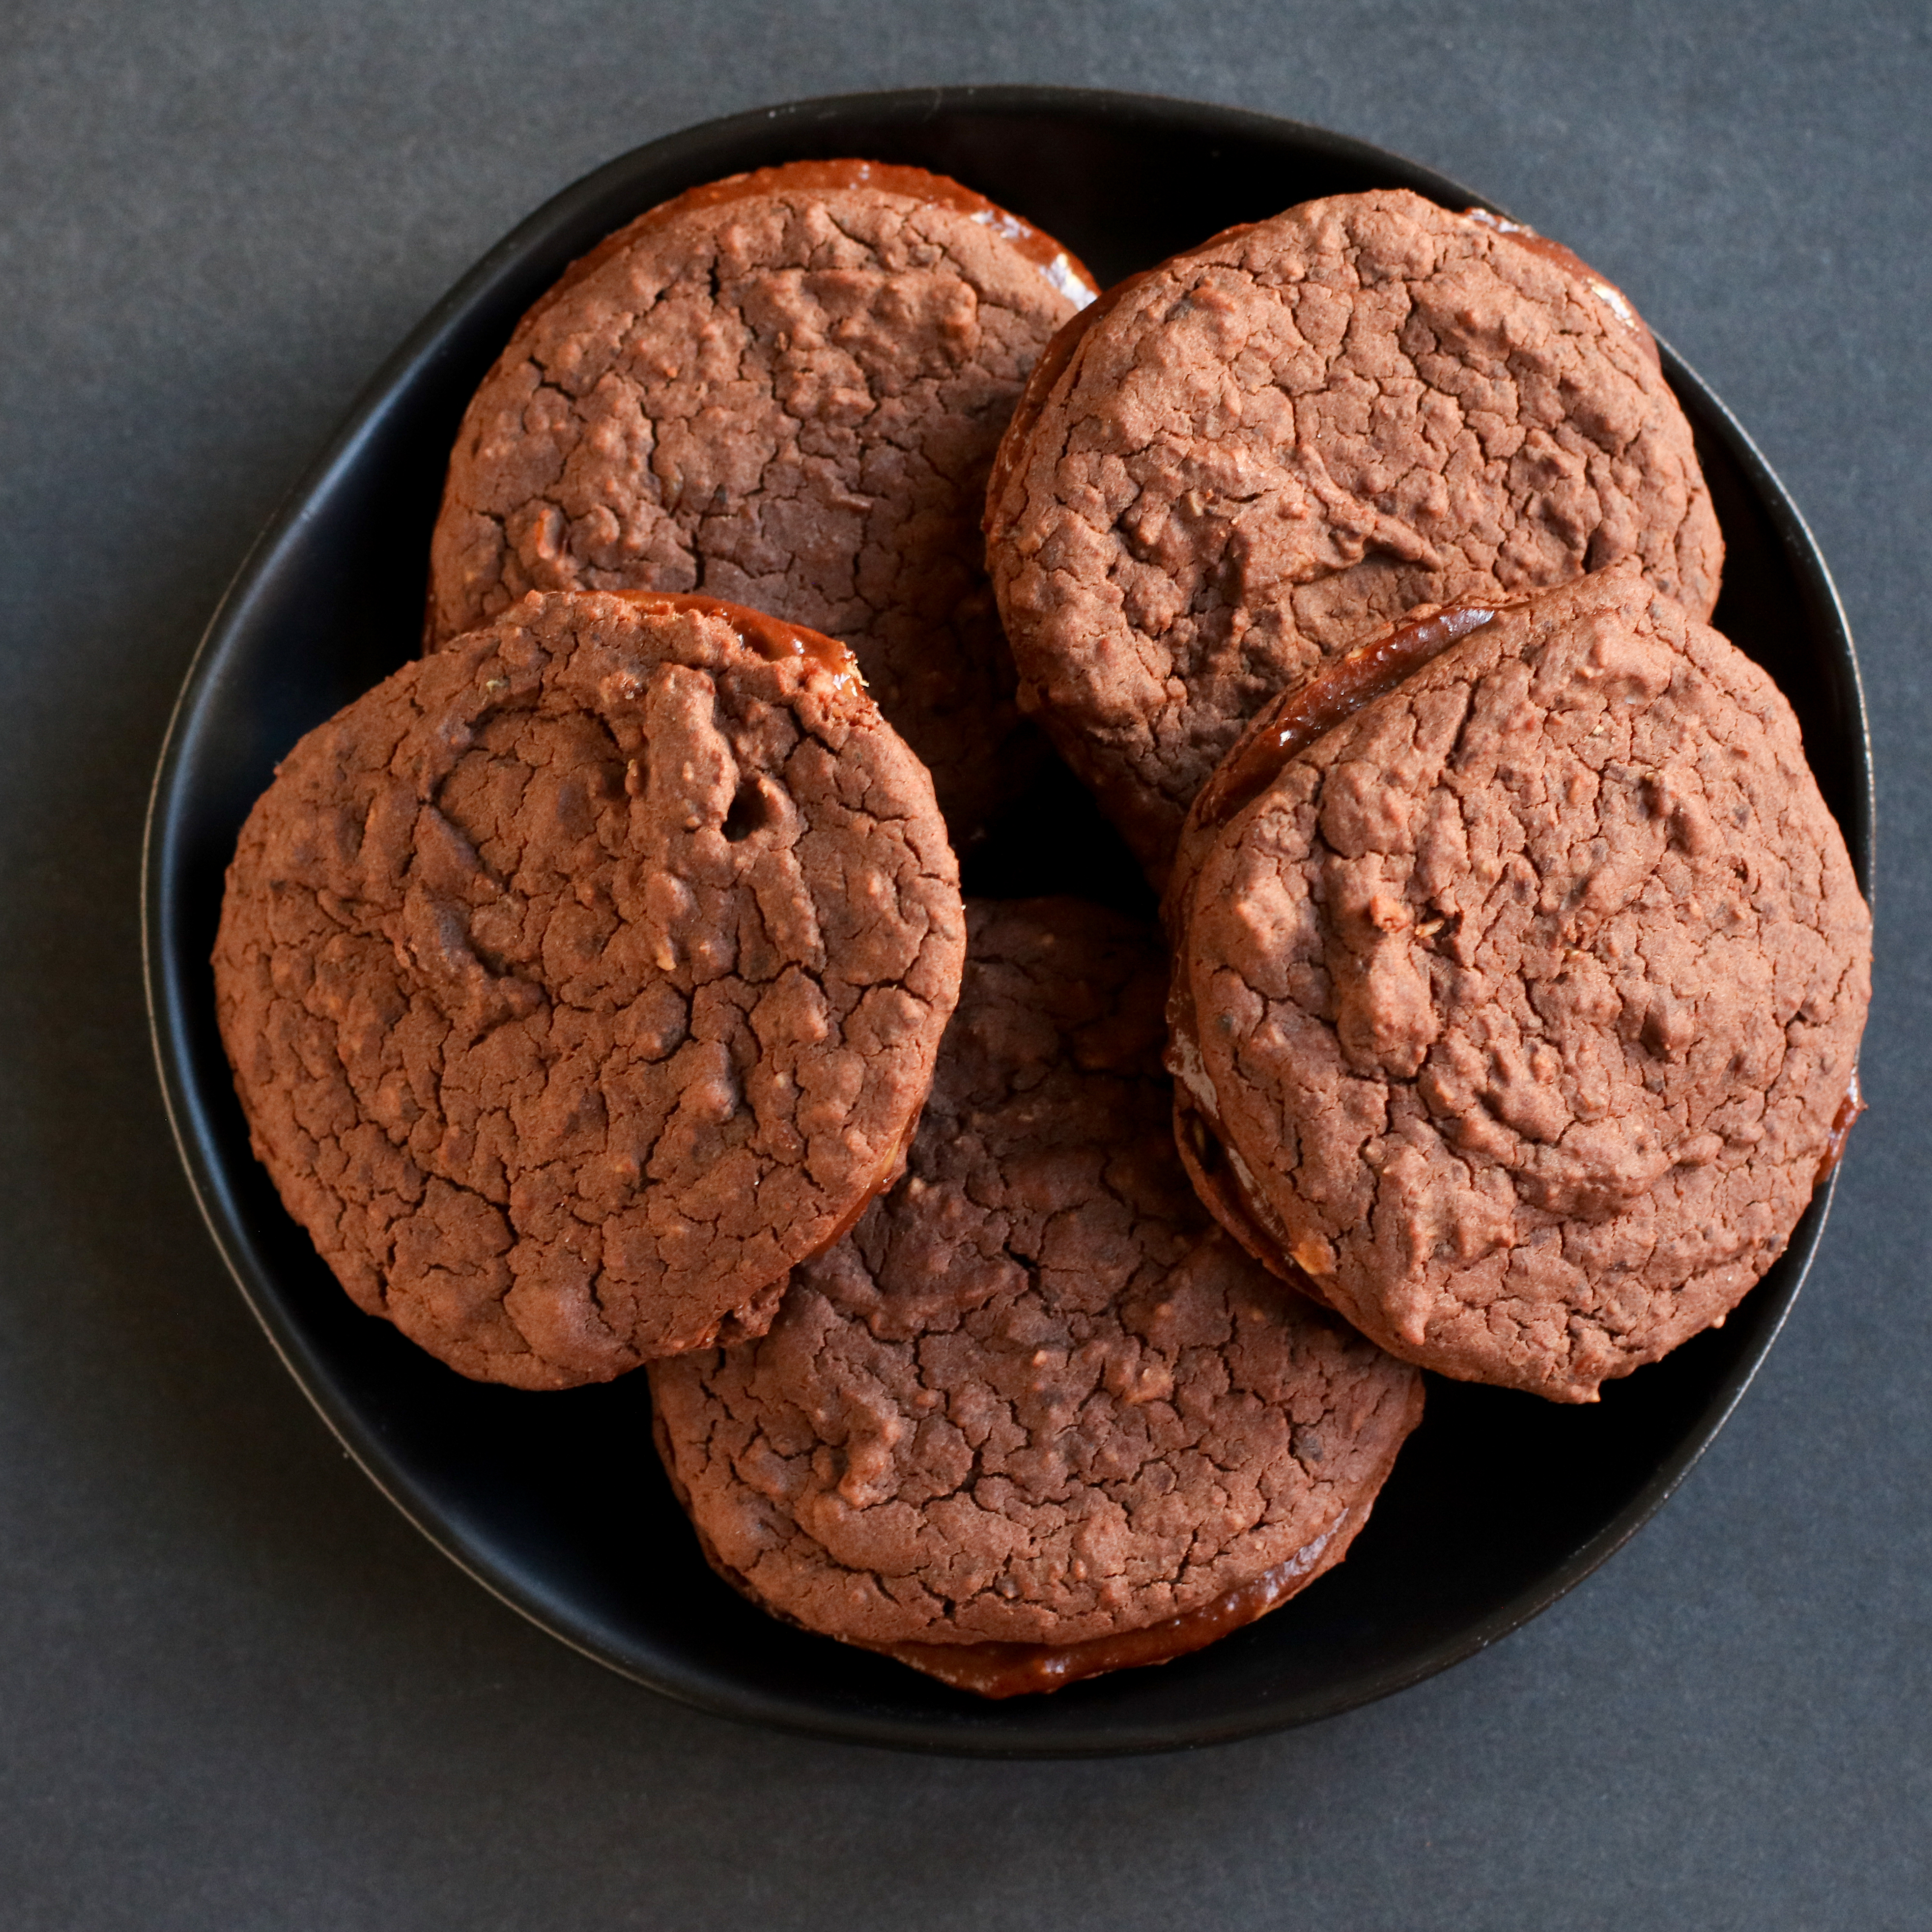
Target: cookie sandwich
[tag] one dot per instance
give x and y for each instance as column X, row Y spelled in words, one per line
column 583, row 977
column 784, row 389
column 1517, row 1004
column 1255, row 455
column 1036, row 1417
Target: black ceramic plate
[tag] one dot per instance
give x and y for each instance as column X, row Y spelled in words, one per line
column 1499, row 1503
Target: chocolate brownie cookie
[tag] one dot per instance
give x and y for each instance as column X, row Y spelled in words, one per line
column 785, row 389
column 1251, row 456
column 580, row 979
column 1036, row 1416
column 1519, row 1011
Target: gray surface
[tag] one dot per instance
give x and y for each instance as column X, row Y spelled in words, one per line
column 237, row 1690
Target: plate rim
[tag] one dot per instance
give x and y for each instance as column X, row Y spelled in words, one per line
column 165, row 992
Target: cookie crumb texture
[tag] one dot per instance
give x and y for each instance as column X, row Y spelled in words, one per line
column 1527, row 996
column 1036, row 1396
column 789, row 398
column 580, row 979
column 1282, row 440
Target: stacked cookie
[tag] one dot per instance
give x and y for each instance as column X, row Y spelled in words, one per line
column 601, row 992
column 1359, row 559
column 1517, row 1011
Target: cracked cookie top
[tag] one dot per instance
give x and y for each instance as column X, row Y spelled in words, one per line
column 580, row 979
column 1525, row 1001
column 1251, row 456
column 784, row 389
column 1035, row 1396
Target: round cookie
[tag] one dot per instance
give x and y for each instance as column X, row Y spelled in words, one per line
column 1253, row 456
column 580, row 979
column 785, row 389
column 1521, row 1010
column 1036, row 1416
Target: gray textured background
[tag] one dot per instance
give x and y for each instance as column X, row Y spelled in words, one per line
column 236, row 1690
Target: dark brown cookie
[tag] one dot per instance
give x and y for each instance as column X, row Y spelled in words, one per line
column 582, row 978
column 1036, row 1416
column 785, row 389
column 1521, row 1010
column 1254, row 455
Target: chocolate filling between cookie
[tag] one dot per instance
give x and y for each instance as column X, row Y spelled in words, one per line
column 775, row 641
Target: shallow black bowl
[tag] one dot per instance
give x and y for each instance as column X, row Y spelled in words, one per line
column 1499, row 1504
